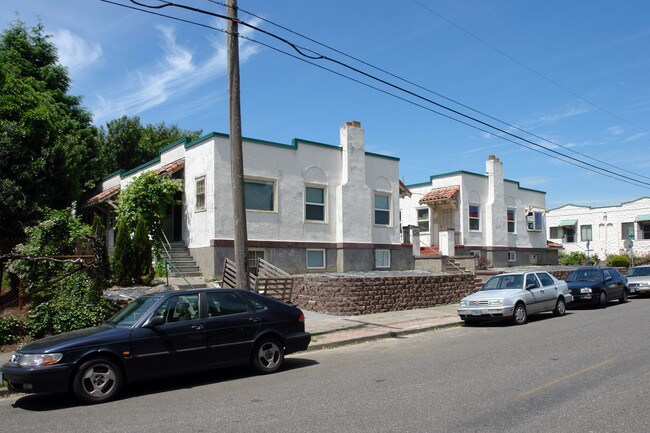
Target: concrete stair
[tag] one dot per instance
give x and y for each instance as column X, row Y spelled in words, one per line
column 184, row 266
column 452, row 267
column 429, row 251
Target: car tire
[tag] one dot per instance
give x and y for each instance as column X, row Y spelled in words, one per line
column 519, row 315
column 602, row 300
column 560, row 308
column 623, row 298
column 97, row 381
column 268, row 355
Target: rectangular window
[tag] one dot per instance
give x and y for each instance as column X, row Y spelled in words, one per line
column 474, row 217
column 314, row 203
column 382, row 209
column 382, row 259
column 423, row 219
column 627, row 231
column 534, row 221
column 259, row 195
column 645, row 229
column 512, row 256
column 585, row 233
column 554, row 233
column 315, row 259
column 200, row 193
column 253, row 255
column 511, row 220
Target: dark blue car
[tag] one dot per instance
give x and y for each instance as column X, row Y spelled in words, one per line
column 161, row 334
column 597, row 286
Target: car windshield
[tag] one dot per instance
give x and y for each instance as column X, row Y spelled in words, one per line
column 499, row 282
column 133, row 312
column 639, row 272
column 585, row 275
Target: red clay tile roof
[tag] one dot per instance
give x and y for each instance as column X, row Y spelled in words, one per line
column 100, row 196
column 438, row 194
column 403, row 190
column 172, row 167
column 551, row 244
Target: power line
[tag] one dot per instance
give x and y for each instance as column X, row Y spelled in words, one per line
column 584, row 165
column 432, row 92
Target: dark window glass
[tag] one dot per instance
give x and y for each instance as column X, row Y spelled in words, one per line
column 225, row 303
column 258, row 195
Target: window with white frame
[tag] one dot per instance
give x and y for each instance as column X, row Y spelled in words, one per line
column 315, row 259
column 511, row 215
column 585, row 233
column 314, row 203
column 512, row 256
column 423, row 219
column 474, row 217
column 200, row 193
column 534, row 221
column 382, row 259
column 382, row 209
column 259, row 194
column 556, row 233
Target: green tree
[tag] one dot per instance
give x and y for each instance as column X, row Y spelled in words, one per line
column 98, row 237
column 126, row 143
column 147, row 197
column 123, row 266
column 48, row 145
column 142, row 254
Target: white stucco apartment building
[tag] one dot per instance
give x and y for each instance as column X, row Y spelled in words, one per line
column 462, row 213
column 311, row 207
column 605, row 228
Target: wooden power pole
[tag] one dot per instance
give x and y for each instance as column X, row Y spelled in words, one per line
column 236, row 152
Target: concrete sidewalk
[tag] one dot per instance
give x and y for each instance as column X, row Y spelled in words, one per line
column 333, row 331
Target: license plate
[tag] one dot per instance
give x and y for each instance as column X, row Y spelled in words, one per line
column 476, row 312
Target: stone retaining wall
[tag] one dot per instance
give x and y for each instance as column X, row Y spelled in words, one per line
column 354, row 295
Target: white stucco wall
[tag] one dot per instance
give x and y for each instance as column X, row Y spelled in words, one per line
column 606, row 225
column 475, row 190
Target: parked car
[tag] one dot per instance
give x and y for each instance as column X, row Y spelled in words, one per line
column 514, row 296
column 638, row 280
column 597, row 286
column 161, row 334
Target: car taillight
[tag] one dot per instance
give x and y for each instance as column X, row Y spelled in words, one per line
column 301, row 318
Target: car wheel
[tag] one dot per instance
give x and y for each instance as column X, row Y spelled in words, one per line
column 560, row 308
column 97, row 381
column 602, row 300
column 520, row 316
column 268, row 356
column 623, row 298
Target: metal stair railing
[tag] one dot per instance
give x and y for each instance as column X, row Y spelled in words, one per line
column 167, row 259
column 455, row 266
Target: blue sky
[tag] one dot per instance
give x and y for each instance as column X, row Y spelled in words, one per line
column 576, row 73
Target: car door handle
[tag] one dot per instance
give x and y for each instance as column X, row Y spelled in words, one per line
column 254, row 319
column 196, row 327
column 541, row 291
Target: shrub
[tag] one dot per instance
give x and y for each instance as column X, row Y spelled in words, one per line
column 620, row 261
column 573, row 258
column 103, row 272
column 594, row 259
column 142, row 256
column 483, row 262
column 11, row 330
column 123, row 266
column 69, row 310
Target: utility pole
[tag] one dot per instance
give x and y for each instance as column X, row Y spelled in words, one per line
column 236, row 152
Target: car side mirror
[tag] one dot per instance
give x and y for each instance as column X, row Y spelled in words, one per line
column 608, row 278
column 154, row 321
column 530, row 286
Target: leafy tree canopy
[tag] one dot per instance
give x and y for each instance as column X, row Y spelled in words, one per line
column 48, row 145
column 126, row 143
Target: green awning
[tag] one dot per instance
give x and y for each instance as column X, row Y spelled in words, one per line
column 643, row 218
column 568, row 223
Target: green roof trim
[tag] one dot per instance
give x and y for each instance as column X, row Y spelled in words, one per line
column 567, row 223
column 463, row 172
column 642, row 218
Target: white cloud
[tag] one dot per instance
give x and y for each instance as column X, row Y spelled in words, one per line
column 75, row 52
column 555, row 116
column 615, row 130
column 635, row 137
column 176, row 74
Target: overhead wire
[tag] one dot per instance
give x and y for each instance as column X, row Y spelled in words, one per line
column 428, row 90
column 299, row 50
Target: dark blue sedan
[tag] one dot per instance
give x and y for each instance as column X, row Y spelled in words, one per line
column 597, row 286
column 161, row 334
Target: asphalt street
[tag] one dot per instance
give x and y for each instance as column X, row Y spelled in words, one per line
column 585, row 372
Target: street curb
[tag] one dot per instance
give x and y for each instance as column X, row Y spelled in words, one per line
column 378, row 336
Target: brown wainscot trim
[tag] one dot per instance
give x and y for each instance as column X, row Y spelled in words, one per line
column 300, row 244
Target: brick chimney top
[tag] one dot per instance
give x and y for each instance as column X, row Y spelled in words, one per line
column 492, row 158
column 353, row 123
